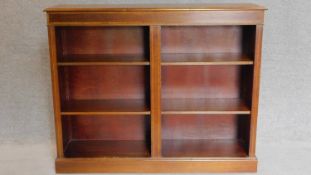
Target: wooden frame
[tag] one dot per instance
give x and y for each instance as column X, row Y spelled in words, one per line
column 155, row 88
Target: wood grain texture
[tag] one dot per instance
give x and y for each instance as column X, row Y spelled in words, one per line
column 107, row 40
column 106, row 107
column 204, row 106
column 105, row 82
column 56, row 93
column 155, row 59
column 202, row 39
column 156, row 18
column 221, row 81
column 109, row 127
column 103, row 59
column 255, row 91
column 202, row 127
column 155, row 88
column 203, row 148
column 107, row 148
column 164, row 165
column 154, row 7
column 205, row 59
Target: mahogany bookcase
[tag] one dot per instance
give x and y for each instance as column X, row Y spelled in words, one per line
column 155, row 88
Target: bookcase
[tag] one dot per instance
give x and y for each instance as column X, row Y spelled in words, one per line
column 155, row 88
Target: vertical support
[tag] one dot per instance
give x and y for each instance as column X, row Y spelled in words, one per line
column 155, row 76
column 55, row 87
column 255, row 91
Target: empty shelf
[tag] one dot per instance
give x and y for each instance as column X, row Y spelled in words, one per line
column 203, row 148
column 108, row 107
column 103, row 59
column 204, row 106
column 205, row 59
column 107, row 148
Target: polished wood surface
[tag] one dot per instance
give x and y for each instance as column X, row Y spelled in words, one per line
column 155, row 88
column 164, row 165
column 103, row 59
column 155, row 58
column 203, row 81
column 205, row 59
column 203, row 148
column 201, row 127
column 204, row 106
column 55, row 88
column 108, row 127
column 102, row 40
column 105, row 82
column 255, row 90
column 107, row 148
column 164, row 18
column 109, row 107
column 154, row 7
column 202, row 39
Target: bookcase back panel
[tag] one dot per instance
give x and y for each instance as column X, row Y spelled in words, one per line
column 201, row 82
column 105, row 82
column 176, row 127
column 208, row 39
column 202, row 39
column 108, row 127
column 102, row 40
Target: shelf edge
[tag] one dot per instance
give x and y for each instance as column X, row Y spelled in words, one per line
column 205, row 112
column 105, row 113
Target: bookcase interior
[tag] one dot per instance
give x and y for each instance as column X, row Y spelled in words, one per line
column 110, row 44
column 206, row 90
column 106, row 136
column 104, row 89
column 155, row 88
column 205, row 135
column 206, row 85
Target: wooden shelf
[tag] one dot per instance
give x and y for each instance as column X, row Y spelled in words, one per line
column 105, row 107
column 103, row 59
column 205, row 59
column 204, row 106
column 107, row 148
column 203, row 148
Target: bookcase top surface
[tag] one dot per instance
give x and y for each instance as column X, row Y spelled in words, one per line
column 154, row 7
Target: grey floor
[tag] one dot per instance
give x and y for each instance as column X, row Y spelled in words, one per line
column 286, row 158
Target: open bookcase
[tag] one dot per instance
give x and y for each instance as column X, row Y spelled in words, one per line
column 105, row 91
column 153, row 95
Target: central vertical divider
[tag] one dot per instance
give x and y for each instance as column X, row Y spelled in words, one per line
column 155, row 77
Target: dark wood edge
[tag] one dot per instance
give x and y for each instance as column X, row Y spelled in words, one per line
column 156, row 18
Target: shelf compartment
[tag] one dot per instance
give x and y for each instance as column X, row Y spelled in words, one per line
column 208, row 45
column 107, row 148
column 205, row 59
column 207, row 82
column 104, row 90
column 94, row 45
column 204, row 106
column 103, row 59
column 107, row 136
column 106, row 107
column 203, row 148
column 212, row 135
